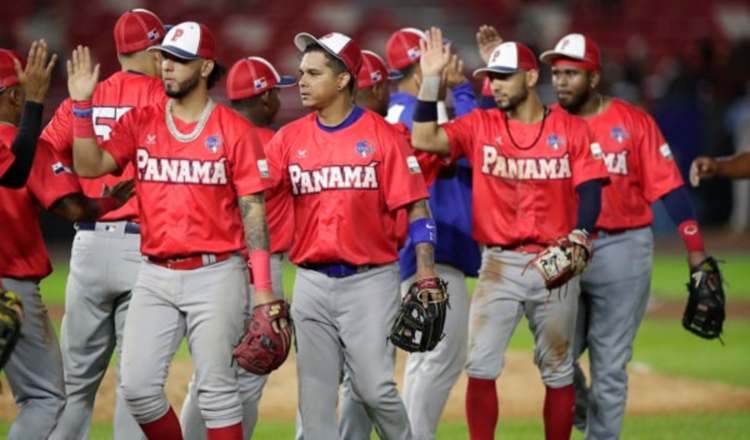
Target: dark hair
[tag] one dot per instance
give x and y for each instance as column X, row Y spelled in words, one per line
column 248, row 102
column 334, row 63
column 408, row 71
column 215, row 75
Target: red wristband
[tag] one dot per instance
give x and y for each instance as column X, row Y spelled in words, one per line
column 106, row 204
column 83, row 124
column 83, row 128
column 260, row 266
column 691, row 235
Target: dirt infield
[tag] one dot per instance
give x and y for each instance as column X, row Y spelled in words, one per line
column 521, row 393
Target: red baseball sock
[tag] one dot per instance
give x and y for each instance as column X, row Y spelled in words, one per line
column 233, row 432
column 167, row 427
column 559, row 404
column 481, row 408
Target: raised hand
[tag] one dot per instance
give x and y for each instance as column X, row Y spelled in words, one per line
column 35, row 78
column 435, row 54
column 454, row 72
column 487, row 40
column 122, row 191
column 82, row 77
column 702, row 168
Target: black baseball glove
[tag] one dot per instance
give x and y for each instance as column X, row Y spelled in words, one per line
column 10, row 324
column 705, row 310
column 421, row 319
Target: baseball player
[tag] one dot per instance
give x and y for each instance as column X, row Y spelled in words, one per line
column 534, row 169
column 105, row 256
column 35, row 370
column 253, row 86
column 429, row 377
column 731, row 167
column 200, row 177
column 16, row 161
column 349, row 171
column 615, row 288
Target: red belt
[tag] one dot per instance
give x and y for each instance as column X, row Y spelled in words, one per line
column 189, row 262
column 526, row 248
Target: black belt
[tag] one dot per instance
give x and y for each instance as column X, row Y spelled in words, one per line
column 130, row 227
column 337, row 270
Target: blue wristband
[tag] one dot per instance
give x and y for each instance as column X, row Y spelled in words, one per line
column 83, row 112
column 423, row 230
column 425, row 111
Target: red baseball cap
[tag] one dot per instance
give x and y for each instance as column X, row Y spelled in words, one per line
column 8, row 76
column 510, row 57
column 189, row 41
column 138, row 29
column 339, row 45
column 576, row 48
column 252, row 76
column 373, row 70
column 402, row 49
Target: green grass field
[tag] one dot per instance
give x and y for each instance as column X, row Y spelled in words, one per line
column 661, row 344
column 689, row 427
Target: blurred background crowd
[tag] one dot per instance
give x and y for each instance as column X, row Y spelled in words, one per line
column 685, row 61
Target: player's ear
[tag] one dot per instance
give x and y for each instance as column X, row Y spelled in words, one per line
column 532, row 77
column 207, row 68
column 595, row 79
column 343, row 80
column 16, row 96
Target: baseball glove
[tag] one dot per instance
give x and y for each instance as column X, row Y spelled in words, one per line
column 265, row 345
column 421, row 319
column 10, row 325
column 704, row 313
column 563, row 260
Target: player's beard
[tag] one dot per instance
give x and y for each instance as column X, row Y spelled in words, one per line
column 575, row 102
column 513, row 101
column 184, row 87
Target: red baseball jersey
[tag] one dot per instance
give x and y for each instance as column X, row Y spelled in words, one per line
column 347, row 187
column 640, row 164
column 6, row 160
column 24, row 254
column 113, row 98
column 187, row 191
column 279, row 209
column 524, row 174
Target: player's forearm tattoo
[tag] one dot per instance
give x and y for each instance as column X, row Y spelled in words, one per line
column 425, row 255
column 253, row 211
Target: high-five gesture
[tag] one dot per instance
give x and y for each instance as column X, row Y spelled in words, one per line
column 454, row 72
column 487, row 40
column 35, row 78
column 82, row 77
column 435, row 54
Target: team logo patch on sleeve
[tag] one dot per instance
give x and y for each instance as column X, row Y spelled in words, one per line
column 596, row 150
column 413, row 165
column 213, row 143
column 59, row 168
column 263, row 168
column 666, row 151
column 364, row 148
